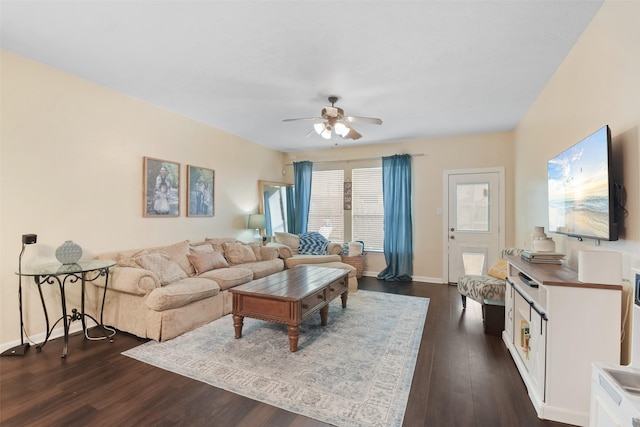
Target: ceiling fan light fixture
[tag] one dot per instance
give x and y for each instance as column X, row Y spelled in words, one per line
column 342, row 129
column 319, row 127
column 326, row 134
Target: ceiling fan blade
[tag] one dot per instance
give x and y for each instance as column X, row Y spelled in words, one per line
column 352, row 134
column 310, row 133
column 303, row 118
column 370, row 120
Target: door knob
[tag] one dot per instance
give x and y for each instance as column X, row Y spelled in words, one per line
column 452, row 237
column 453, row 229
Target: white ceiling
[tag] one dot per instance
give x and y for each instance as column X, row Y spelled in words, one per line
column 426, row 68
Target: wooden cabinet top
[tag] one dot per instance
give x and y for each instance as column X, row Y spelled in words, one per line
column 554, row 275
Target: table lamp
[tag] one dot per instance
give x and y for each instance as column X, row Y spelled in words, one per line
column 257, row 222
column 20, row 350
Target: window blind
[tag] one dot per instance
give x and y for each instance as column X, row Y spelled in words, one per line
column 367, row 215
column 326, row 213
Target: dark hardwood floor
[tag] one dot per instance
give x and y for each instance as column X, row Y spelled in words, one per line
column 462, row 378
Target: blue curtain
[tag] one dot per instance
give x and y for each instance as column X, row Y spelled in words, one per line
column 398, row 228
column 302, row 174
column 290, row 192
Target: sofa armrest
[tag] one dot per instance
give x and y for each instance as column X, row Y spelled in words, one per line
column 267, row 253
column 334, row 248
column 130, row 280
column 284, row 251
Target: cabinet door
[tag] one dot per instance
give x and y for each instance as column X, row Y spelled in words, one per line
column 538, row 352
column 603, row 413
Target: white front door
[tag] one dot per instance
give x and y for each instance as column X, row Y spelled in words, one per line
column 474, row 221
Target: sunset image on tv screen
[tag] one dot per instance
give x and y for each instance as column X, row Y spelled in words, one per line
column 579, row 188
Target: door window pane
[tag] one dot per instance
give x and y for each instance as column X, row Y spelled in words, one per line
column 473, row 263
column 472, row 207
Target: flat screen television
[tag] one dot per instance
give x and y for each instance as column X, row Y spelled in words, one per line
column 581, row 189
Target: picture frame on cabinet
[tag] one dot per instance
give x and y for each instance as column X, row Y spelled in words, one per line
column 200, row 191
column 161, row 183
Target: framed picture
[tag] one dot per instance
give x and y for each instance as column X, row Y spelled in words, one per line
column 161, row 188
column 200, row 191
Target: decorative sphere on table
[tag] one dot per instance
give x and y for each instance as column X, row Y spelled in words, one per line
column 69, row 252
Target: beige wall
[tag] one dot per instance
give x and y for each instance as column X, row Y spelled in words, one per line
column 72, row 169
column 598, row 83
column 440, row 154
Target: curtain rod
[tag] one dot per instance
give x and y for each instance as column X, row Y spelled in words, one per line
column 356, row 160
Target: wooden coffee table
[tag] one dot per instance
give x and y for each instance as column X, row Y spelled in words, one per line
column 290, row 297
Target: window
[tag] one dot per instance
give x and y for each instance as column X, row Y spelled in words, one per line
column 326, row 213
column 367, row 216
column 364, row 222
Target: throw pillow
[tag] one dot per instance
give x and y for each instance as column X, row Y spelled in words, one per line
column 207, row 261
column 178, row 253
column 200, row 247
column 499, row 269
column 218, row 242
column 168, row 271
column 238, row 253
column 255, row 247
column 313, row 243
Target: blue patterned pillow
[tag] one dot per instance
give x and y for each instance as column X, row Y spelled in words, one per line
column 313, row 243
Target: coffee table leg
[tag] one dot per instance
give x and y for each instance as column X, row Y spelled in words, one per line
column 324, row 314
column 294, row 333
column 344, row 297
column 238, row 321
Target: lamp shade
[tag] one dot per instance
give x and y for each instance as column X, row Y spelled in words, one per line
column 256, row 221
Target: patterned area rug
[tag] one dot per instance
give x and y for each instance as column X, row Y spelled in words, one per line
column 356, row 371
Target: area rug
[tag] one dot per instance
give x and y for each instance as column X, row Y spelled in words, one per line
column 356, row 371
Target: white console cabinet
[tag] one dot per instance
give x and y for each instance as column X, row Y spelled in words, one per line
column 554, row 329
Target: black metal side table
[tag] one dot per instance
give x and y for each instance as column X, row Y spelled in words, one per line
column 63, row 274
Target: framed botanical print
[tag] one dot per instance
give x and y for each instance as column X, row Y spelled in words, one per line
column 200, row 201
column 161, row 188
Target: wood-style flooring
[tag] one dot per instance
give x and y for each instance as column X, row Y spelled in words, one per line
column 462, row 378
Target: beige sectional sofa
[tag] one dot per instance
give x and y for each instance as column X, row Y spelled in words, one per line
column 162, row 292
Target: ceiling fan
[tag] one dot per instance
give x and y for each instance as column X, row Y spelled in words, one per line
column 332, row 119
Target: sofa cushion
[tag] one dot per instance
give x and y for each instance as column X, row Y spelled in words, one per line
column 288, row 239
column 239, row 253
column 206, row 261
column 268, row 253
column 229, row 277
column 163, row 266
column 313, row 243
column 311, row 259
column 261, row 269
column 181, row 293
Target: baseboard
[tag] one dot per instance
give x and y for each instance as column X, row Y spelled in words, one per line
column 415, row 278
column 56, row 333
